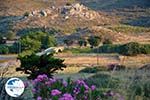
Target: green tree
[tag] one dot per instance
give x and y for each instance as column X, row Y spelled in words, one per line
column 94, row 41
column 30, row 44
column 82, row 42
column 11, row 35
column 130, row 49
column 37, row 40
column 4, row 49
column 1, row 39
column 48, row 41
column 36, row 65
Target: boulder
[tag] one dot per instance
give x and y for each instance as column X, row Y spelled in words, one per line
column 43, row 13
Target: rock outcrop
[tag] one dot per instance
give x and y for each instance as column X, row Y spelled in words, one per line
column 39, row 13
column 79, row 10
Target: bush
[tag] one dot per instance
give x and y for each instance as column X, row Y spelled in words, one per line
column 115, row 67
column 78, row 50
column 26, row 14
column 130, row 49
column 37, row 40
column 94, row 40
column 4, row 49
column 35, row 65
column 82, row 42
column 140, row 88
column 103, row 80
column 108, row 48
column 59, row 89
column 45, row 88
column 92, row 70
column 145, row 48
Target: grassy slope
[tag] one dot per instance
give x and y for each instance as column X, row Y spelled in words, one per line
column 115, row 4
column 133, row 12
column 15, row 8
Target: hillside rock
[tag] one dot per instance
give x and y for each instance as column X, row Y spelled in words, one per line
column 39, row 13
column 43, row 13
column 79, row 10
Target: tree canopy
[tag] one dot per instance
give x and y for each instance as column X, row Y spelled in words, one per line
column 94, row 41
column 37, row 40
column 36, row 65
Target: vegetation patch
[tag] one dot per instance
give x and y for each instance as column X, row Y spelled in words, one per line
column 129, row 29
column 92, row 69
column 129, row 49
column 78, row 50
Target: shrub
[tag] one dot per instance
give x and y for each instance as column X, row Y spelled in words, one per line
column 37, row 40
column 103, row 81
column 130, row 49
column 10, row 35
column 35, row 65
column 82, row 42
column 4, row 49
column 116, row 67
column 94, row 40
column 26, row 14
column 92, row 70
column 58, row 89
column 45, row 88
column 108, row 48
column 145, row 48
column 140, row 89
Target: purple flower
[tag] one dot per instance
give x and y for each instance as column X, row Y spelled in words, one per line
column 35, row 81
column 66, row 96
column 76, row 91
column 86, row 91
column 86, row 86
column 55, row 92
column 93, row 87
column 52, row 80
column 85, row 98
column 110, row 93
column 65, row 83
column 48, row 83
column 80, row 82
column 39, row 98
column 42, row 77
column 34, row 90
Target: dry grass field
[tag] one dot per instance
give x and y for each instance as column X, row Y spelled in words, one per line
column 75, row 63
column 105, row 59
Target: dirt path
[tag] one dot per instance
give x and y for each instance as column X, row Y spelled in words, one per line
column 89, row 59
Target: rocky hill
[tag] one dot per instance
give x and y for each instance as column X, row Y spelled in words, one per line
column 132, row 12
column 67, row 17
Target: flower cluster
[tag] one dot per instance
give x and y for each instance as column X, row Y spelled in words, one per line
column 58, row 89
column 113, row 94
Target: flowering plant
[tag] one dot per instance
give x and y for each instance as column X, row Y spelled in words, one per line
column 45, row 88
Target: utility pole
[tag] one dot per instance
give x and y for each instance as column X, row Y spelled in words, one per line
column 97, row 57
column 19, row 47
